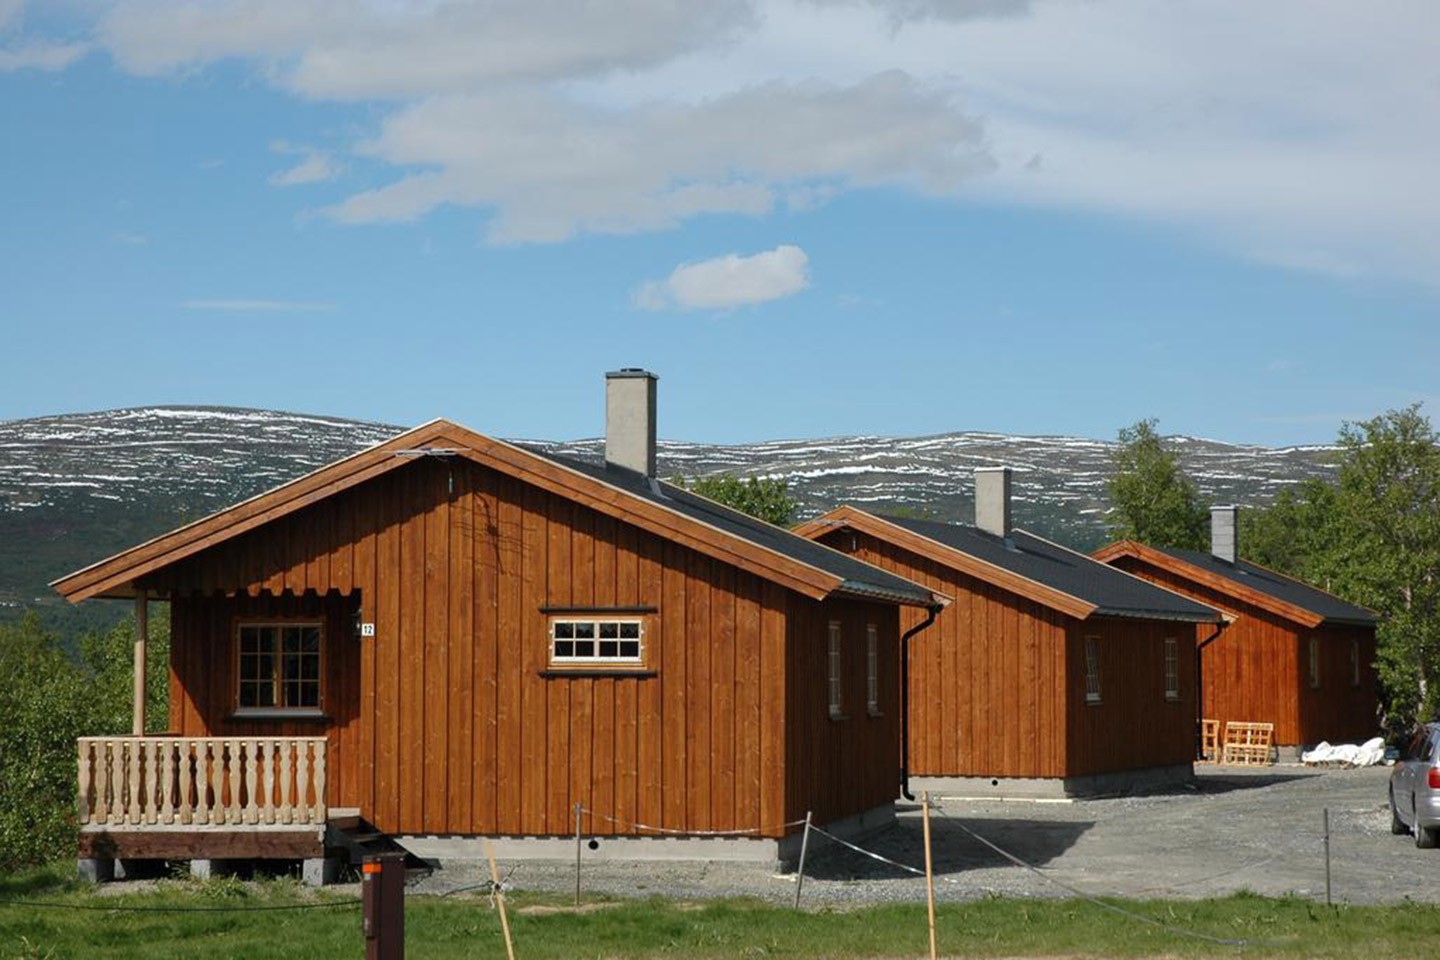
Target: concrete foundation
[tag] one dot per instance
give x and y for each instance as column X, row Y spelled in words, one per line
column 1055, row 788
column 759, row 850
column 95, row 869
column 320, row 871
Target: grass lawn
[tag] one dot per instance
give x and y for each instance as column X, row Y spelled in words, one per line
column 545, row 926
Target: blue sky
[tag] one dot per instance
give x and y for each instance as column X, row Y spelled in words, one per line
column 810, row 217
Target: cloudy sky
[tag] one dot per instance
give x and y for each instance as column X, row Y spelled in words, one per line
column 810, row 217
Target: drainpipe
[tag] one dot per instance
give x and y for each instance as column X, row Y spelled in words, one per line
column 931, row 612
column 1200, row 684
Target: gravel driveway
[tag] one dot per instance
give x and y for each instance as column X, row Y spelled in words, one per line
column 1237, row 829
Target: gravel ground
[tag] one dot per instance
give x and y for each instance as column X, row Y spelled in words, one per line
column 1235, row 830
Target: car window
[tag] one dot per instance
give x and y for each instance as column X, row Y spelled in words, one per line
column 1415, row 748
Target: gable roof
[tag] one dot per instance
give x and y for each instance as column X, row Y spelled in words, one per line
column 787, row 560
column 1030, row 566
column 1249, row 582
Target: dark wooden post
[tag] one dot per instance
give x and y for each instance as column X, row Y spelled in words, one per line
column 382, row 895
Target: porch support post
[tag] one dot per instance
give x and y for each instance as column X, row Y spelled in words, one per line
column 142, row 631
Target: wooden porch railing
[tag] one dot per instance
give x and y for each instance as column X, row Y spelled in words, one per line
column 204, row 781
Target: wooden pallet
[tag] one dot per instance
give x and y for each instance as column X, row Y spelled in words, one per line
column 1248, row 744
column 1210, row 741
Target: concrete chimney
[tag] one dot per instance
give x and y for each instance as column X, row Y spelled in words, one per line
column 630, row 420
column 1224, row 535
column 992, row 500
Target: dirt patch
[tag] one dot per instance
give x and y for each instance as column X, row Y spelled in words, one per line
column 549, row 910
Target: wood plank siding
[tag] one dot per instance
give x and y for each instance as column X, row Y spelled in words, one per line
column 448, row 720
column 997, row 684
column 1259, row 668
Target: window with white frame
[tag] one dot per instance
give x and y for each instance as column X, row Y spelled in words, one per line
column 1315, row 663
column 1354, row 663
column 279, row 665
column 1092, row 669
column 836, row 686
column 872, row 670
column 1172, row 669
column 597, row 641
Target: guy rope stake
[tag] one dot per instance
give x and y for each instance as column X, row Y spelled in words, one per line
column 499, row 891
column 929, row 873
column 1326, row 823
column 800, row 871
column 578, row 808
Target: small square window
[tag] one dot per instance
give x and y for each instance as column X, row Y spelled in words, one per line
column 279, row 666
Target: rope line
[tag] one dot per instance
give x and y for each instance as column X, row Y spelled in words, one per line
column 741, row 832
column 1089, row 898
column 869, row 853
column 132, row 908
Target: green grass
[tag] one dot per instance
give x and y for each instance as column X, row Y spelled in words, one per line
column 465, row 926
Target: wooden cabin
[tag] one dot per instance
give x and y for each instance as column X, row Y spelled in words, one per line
column 1294, row 655
column 1048, row 672
column 448, row 635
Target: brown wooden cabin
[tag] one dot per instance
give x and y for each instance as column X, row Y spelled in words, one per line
column 1045, row 667
column 447, row 634
column 1293, row 654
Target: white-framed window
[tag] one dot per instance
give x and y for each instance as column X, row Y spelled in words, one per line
column 279, row 664
column 834, row 675
column 1092, row 669
column 592, row 641
column 1172, row 669
column 1315, row 663
column 1354, row 662
column 872, row 670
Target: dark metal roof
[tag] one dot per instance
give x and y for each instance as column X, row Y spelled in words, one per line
column 1281, row 587
column 1113, row 592
column 860, row 578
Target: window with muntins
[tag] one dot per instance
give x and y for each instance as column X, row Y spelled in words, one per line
column 1315, row 662
column 592, row 641
column 1172, row 669
column 872, row 670
column 280, row 665
column 836, row 687
column 1092, row 669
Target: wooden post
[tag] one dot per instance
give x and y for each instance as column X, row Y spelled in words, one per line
column 929, row 873
column 142, row 629
column 1326, row 823
column 577, row 854
column 499, row 900
column 800, row 871
column 382, row 893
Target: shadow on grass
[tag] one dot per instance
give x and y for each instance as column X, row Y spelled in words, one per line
column 54, row 878
column 955, row 851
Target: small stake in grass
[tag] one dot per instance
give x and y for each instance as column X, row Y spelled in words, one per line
column 1326, row 823
column 800, row 872
column 577, row 854
column 499, row 900
column 929, row 873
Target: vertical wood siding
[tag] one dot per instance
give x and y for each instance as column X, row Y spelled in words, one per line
column 443, row 722
column 1259, row 669
column 987, row 679
column 1133, row 726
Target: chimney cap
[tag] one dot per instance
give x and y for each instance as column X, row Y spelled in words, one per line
column 625, row 372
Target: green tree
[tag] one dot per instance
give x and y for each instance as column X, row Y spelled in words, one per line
column 763, row 497
column 1151, row 499
column 1385, row 552
column 49, row 699
column 1296, row 533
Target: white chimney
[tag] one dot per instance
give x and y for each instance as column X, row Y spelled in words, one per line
column 1224, row 535
column 992, row 500
column 630, row 420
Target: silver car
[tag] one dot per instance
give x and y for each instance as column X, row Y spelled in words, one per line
column 1415, row 788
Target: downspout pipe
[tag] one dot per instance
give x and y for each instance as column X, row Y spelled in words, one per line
column 1200, row 685
column 931, row 612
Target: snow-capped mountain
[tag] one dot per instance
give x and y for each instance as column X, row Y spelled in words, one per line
column 76, row 488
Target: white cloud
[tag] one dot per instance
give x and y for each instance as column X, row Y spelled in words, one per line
column 315, row 166
column 257, row 306
column 550, row 167
column 730, row 281
column 40, row 55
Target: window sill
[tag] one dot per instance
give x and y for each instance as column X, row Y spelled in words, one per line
column 592, row 672
column 279, row 713
column 839, row 716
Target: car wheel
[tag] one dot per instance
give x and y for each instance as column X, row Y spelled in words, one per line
column 1397, row 826
column 1426, row 838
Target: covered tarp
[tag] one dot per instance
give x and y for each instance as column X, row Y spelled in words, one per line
column 1367, row 754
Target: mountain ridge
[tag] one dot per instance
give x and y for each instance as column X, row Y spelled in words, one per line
column 77, row 487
